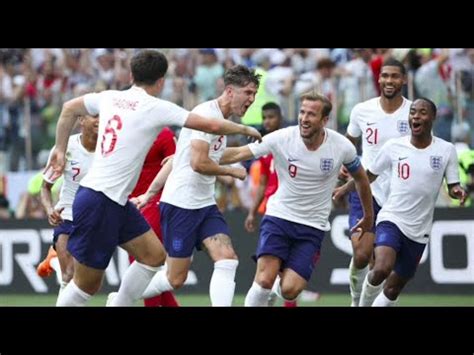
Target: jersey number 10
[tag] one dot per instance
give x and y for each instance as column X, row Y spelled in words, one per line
column 403, row 171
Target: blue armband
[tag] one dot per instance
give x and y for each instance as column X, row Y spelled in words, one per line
column 354, row 165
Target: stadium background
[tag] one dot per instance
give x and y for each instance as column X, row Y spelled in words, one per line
column 35, row 82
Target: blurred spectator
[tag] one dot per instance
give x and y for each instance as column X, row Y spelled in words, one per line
column 279, row 83
column 253, row 116
column 432, row 81
column 4, row 207
column 207, row 75
column 30, row 206
column 356, row 85
column 323, row 80
column 380, row 55
column 466, row 73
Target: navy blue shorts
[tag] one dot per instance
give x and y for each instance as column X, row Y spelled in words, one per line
column 100, row 225
column 64, row 228
column 356, row 212
column 297, row 245
column 183, row 229
column 409, row 252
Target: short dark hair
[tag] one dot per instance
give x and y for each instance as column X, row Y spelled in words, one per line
column 272, row 106
column 240, row 75
column 148, row 66
column 430, row 103
column 392, row 62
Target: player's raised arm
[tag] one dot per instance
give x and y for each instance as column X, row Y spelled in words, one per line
column 362, row 185
column 156, row 185
column 220, row 127
column 202, row 164
column 350, row 186
column 234, row 155
column 71, row 111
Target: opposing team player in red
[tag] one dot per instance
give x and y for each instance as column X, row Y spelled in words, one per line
column 162, row 147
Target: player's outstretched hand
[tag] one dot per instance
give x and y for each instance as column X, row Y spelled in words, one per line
column 140, row 201
column 239, row 173
column 344, row 174
column 339, row 192
column 459, row 193
column 249, row 223
column 254, row 133
column 55, row 167
column 54, row 216
column 362, row 226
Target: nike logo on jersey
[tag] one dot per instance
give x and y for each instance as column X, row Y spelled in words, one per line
column 73, row 162
column 402, row 158
column 371, row 123
column 291, row 160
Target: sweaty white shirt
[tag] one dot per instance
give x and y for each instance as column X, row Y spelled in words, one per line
column 375, row 127
column 416, row 178
column 78, row 161
column 306, row 178
column 184, row 187
column 129, row 122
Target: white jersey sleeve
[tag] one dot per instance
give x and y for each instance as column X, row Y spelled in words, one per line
column 267, row 145
column 382, row 161
column 208, row 110
column 91, row 101
column 452, row 170
column 349, row 152
column 353, row 129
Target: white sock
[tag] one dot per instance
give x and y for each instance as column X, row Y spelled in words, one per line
column 356, row 279
column 54, row 262
column 257, row 296
column 369, row 292
column 222, row 285
column 158, row 284
column 72, row 296
column 134, row 282
column 62, row 286
column 275, row 292
column 383, row 301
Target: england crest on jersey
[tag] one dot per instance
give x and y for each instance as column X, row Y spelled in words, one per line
column 326, row 165
column 436, row 162
column 402, row 127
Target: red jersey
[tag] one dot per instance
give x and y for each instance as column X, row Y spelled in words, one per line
column 267, row 168
column 163, row 146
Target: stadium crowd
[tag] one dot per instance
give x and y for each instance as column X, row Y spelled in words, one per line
column 34, row 83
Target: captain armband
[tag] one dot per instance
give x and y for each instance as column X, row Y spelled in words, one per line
column 354, row 165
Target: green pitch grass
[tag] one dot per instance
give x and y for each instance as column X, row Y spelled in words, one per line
column 325, row 300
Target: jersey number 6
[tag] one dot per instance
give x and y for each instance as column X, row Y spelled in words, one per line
column 110, row 135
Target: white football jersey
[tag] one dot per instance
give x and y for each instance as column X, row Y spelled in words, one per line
column 78, row 161
column 375, row 127
column 416, row 178
column 129, row 122
column 306, row 178
column 184, row 187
